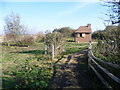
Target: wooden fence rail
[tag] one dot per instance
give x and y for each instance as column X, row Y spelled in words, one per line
column 92, row 60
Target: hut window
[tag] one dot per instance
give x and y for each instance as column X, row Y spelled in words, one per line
column 82, row 35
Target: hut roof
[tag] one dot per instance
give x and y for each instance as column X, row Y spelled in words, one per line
column 84, row 29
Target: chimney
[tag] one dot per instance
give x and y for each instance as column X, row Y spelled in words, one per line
column 89, row 25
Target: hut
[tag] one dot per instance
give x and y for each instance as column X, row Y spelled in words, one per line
column 83, row 34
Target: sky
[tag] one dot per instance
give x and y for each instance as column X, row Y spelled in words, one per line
column 40, row 16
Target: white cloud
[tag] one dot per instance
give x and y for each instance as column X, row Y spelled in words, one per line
column 50, row 0
column 72, row 10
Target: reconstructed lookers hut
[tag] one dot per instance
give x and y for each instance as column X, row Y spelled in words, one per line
column 83, row 34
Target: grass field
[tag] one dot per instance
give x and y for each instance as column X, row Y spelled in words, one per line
column 72, row 47
column 25, row 66
column 29, row 67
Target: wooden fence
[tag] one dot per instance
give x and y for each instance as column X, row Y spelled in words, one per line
column 93, row 60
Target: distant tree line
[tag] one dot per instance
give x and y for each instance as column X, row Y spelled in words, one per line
column 101, row 34
column 66, row 31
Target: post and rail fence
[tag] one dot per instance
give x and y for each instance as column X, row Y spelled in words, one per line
column 93, row 60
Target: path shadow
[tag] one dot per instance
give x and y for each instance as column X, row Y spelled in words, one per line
column 55, row 69
column 72, row 74
column 81, row 71
column 68, row 60
column 30, row 52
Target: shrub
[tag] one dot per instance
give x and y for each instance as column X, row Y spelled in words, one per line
column 26, row 39
column 21, row 40
column 109, row 46
column 40, row 37
column 56, row 39
column 66, row 31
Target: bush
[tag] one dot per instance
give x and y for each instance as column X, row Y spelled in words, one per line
column 40, row 37
column 98, row 35
column 25, row 40
column 66, row 31
column 21, row 40
column 109, row 46
column 57, row 40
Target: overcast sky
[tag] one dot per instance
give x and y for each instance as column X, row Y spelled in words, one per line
column 40, row 16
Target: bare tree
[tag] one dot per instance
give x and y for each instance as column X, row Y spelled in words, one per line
column 114, row 11
column 13, row 28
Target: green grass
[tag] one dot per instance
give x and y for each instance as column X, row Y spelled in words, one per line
column 72, row 47
column 25, row 67
column 28, row 67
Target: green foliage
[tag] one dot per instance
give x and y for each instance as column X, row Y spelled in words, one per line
column 25, row 67
column 40, row 37
column 31, row 74
column 103, row 34
column 109, row 47
column 66, row 31
column 55, row 39
column 98, row 35
column 42, row 57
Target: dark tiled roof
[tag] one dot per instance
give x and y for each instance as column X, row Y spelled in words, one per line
column 84, row 29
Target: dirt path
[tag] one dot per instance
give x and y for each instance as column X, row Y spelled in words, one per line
column 71, row 72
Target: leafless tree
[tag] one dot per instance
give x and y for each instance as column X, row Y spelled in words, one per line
column 114, row 11
column 13, row 28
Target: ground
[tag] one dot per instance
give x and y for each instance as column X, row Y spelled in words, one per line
column 72, row 72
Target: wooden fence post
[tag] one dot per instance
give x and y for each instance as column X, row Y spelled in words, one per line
column 52, row 52
column 45, row 49
column 90, row 45
column 89, row 50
